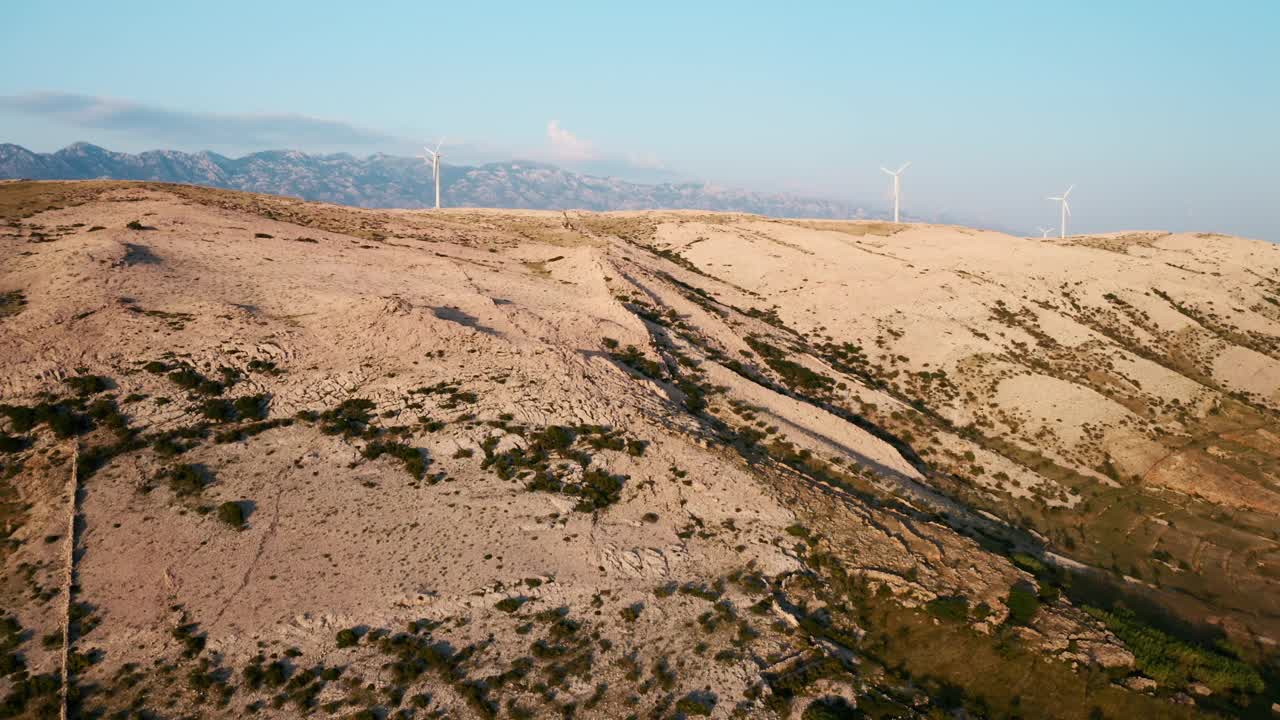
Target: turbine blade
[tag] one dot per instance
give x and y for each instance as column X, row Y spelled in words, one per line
column 905, row 165
column 886, row 170
column 1066, row 206
column 1068, row 192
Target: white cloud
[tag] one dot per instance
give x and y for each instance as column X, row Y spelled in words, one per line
column 576, row 153
column 567, row 147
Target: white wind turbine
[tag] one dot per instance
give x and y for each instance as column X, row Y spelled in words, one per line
column 433, row 157
column 1066, row 208
column 897, row 187
column 1044, row 232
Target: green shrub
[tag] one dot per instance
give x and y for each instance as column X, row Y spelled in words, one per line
column 1022, row 604
column 12, row 443
column 511, row 604
column 192, row 380
column 86, row 384
column 251, row 407
column 231, row 513
column 831, row 708
column 187, row 480
column 954, row 608
column 351, row 417
column 347, row 638
column 218, row 410
column 413, row 459
column 12, row 303
column 696, row 704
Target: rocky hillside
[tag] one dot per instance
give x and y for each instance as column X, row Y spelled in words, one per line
column 288, row 458
column 385, row 181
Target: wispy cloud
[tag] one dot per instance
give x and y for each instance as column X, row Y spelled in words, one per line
column 575, row 152
column 567, row 146
column 267, row 130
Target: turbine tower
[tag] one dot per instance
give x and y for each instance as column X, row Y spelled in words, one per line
column 1044, row 232
column 897, row 187
column 433, row 157
column 1066, row 208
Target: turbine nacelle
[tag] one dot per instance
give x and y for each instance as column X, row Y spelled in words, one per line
column 887, row 171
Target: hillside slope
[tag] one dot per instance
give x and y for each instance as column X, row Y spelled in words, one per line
column 519, row 464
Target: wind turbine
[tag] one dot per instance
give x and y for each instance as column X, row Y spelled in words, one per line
column 897, row 187
column 1044, row 232
column 433, row 157
column 1066, row 208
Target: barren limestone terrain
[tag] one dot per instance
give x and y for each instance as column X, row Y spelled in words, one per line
column 270, row 458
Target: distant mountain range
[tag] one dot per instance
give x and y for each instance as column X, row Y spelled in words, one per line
column 388, row 181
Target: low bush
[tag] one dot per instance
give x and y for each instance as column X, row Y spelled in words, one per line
column 231, row 513
column 12, row 443
column 347, row 638
column 185, row 480
column 86, row 384
column 953, row 608
column 413, row 459
column 1023, row 604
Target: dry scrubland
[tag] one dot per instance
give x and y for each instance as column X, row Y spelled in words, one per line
column 351, row 463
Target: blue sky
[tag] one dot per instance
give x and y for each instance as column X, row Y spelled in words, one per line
column 1164, row 114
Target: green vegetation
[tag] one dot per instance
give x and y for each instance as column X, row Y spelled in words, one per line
column 189, row 379
column 414, row 460
column 796, row 376
column 954, row 609
column 831, row 708
column 351, row 417
column 511, row 604
column 185, row 480
column 12, row 303
column 86, row 384
column 13, row 443
column 535, row 464
column 1172, row 662
column 1022, row 604
column 231, row 513
column 347, row 638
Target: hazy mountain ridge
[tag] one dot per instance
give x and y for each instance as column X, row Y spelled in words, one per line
column 390, row 181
